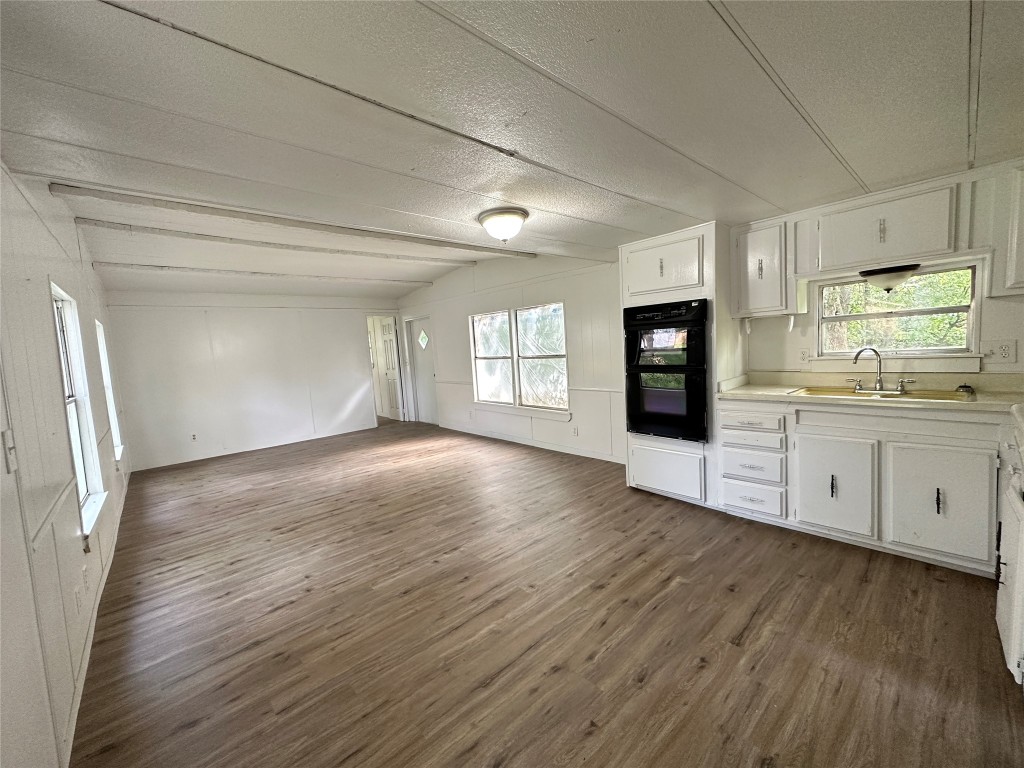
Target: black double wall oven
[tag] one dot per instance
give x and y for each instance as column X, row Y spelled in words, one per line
column 666, row 370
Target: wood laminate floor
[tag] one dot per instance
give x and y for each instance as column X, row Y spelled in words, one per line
column 412, row 596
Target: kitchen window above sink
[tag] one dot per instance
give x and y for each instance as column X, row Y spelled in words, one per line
column 931, row 313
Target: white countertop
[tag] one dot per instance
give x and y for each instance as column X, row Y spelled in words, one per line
column 785, row 393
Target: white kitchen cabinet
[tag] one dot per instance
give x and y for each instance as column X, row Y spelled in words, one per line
column 837, row 483
column 1015, row 249
column 942, row 498
column 666, row 263
column 802, row 243
column 667, row 471
column 883, row 233
column 1010, row 572
column 759, row 264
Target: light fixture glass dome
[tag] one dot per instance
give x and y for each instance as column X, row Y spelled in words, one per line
column 888, row 278
column 503, row 223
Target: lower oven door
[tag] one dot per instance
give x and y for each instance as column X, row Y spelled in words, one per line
column 667, row 403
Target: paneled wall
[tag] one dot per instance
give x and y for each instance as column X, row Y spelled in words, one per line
column 593, row 328
column 50, row 586
column 207, row 375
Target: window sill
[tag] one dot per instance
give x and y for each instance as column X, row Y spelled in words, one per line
column 91, row 511
column 524, row 410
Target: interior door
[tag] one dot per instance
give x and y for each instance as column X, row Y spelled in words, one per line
column 389, row 364
column 422, row 338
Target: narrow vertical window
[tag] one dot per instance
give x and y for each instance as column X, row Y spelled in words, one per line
column 77, row 409
column 108, row 392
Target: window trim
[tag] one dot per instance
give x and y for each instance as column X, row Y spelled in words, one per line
column 973, row 310
column 75, row 390
column 515, row 357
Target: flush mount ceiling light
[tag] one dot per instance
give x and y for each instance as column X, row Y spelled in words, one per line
column 503, row 223
column 888, row 278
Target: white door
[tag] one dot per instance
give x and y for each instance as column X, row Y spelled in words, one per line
column 384, row 356
column 943, row 498
column 421, row 338
column 836, row 483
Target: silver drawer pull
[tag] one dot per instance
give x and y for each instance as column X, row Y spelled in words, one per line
column 752, row 499
column 754, row 467
column 747, row 423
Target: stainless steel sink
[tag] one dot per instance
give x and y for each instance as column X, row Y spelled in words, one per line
column 938, row 395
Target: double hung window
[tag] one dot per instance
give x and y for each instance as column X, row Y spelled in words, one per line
column 519, row 357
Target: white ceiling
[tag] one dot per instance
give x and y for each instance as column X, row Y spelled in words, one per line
column 608, row 121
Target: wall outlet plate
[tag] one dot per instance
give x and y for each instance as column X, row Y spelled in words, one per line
column 1000, row 350
column 805, row 355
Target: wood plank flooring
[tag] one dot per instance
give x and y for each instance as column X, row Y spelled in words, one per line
column 412, row 596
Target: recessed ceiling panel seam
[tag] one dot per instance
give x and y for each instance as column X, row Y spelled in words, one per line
column 498, row 45
column 976, row 24
column 762, row 61
column 496, row 201
column 510, row 153
column 249, row 273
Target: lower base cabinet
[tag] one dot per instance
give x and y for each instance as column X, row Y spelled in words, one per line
column 659, row 469
column 942, row 498
column 837, row 483
column 1010, row 575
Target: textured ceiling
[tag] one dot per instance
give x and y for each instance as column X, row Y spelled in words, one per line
column 608, row 121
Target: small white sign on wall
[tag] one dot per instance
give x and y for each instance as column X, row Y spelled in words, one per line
column 423, row 339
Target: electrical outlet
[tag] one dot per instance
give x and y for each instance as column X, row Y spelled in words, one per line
column 575, row 431
column 85, row 576
column 194, row 438
column 1000, row 350
column 470, row 414
column 805, row 355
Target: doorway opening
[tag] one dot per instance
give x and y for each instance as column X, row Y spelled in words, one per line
column 382, row 333
column 419, row 340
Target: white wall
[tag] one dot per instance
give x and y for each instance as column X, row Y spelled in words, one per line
column 593, row 319
column 42, row 542
column 239, row 372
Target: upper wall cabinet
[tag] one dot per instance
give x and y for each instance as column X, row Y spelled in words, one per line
column 759, row 268
column 1015, row 249
column 672, row 262
column 883, row 233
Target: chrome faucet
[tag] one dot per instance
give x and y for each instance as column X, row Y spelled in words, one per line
column 878, row 368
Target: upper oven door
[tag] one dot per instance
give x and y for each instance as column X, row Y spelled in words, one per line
column 676, row 345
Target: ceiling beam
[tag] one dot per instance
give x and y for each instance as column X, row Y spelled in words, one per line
column 160, row 232
column 245, row 273
column 68, row 192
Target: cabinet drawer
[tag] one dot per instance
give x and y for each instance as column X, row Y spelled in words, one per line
column 751, row 465
column 774, row 440
column 739, row 420
column 755, row 498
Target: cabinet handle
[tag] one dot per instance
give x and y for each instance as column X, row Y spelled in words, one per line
column 832, row 487
column 661, row 267
column 881, row 230
column 760, row 269
column 755, row 467
column 1000, row 564
column 938, row 501
column 748, row 423
column 752, row 499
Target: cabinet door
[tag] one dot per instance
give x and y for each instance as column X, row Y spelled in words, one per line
column 658, row 469
column 912, row 226
column 1010, row 598
column 942, row 498
column 837, row 483
column 761, row 270
column 665, row 266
